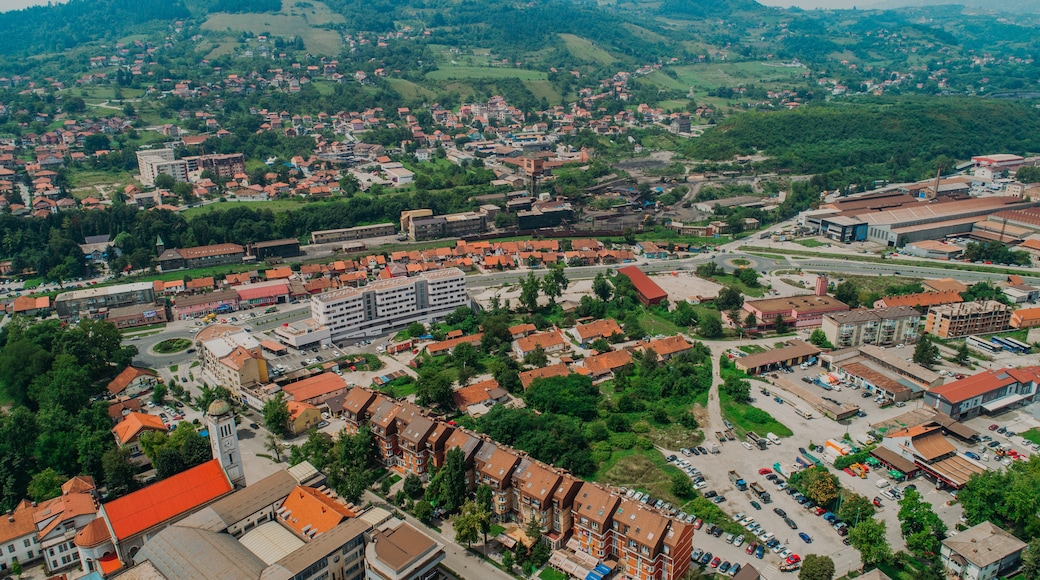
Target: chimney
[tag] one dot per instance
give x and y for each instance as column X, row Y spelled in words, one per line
column 821, row 285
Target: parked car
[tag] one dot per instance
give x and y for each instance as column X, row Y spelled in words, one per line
column 756, row 505
column 715, row 562
column 972, row 455
column 724, row 567
column 751, row 548
column 877, row 501
column 705, row 558
column 805, row 537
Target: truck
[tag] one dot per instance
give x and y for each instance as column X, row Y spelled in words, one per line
column 803, row 413
column 761, row 493
column 712, row 447
column 738, row 481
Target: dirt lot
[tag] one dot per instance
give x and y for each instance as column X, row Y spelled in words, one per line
column 684, row 285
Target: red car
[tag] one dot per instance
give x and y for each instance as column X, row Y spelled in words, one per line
column 819, row 511
column 794, row 559
column 994, row 427
column 850, row 472
column 765, row 471
column 715, row 562
column 877, row 502
column 697, row 524
column 751, row 548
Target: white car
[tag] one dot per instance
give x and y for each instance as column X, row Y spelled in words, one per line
column 739, row 516
column 700, row 485
column 739, row 541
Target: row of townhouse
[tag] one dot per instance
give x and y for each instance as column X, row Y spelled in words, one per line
column 575, row 515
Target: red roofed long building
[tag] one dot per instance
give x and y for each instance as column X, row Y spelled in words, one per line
column 987, row 392
column 649, row 291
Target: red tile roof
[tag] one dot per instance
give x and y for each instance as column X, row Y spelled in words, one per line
column 313, row 387
column 166, row 499
column 556, row 370
column 985, row 382
column 123, row 379
column 134, row 423
column 646, row 287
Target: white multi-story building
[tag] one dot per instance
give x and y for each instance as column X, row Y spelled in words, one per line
column 153, row 162
column 388, row 304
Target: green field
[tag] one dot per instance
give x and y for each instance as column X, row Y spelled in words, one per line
column 707, row 76
column 485, row 72
column 291, row 21
column 275, row 205
column 748, row 418
column 409, row 90
column 811, row 243
column 584, row 49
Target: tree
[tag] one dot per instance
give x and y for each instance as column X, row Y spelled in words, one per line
column 601, row 287
column 750, row 321
column 848, row 292
column 536, row 358
column 962, row 356
column 855, row 508
column 779, row 324
column 508, row 561
column 119, row 472
column 168, row 462
column 16, row 568
column 1031, row 560
column 869, row 538
column 601, row 345
column 710, row 326
column 919, row 525
column 533, row 529
column 729, row 298
column 423, row 511
column 682, row 487
column 555, row 282
column 433, row 387
column 413, row 486
column 926, row 352
column 276, row 414
column 465, row 355
column 819, row 338
column 748, row 276
column 737, row 389
column 529, row 287
column 447, row 489
column 817, row 484
column 416, row 329
column 815, row 567
column 159, row 393
column 46, row 485
column 485, row 497
column 276, row 447
column 164, row 181
column 468, row 523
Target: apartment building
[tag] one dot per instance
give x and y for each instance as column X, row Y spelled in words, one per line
column 967, row 318
column 349, row 234
column 201, row 256
column 594, row 509
column 881, row 326
column 155, row 162
column 494, row 467
column 224, row 166
column 384, row 305
column 456, row 225
column 415, row 454
column 231, row 357
column 96, row 302
column 533, row 488
column 649, row 545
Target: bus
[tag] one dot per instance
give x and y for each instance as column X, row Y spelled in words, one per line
column 983, row 345
column 1011, row 345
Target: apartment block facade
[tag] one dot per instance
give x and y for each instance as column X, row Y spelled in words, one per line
column 155, row 162
column 967, row 318
column 96, row 302
column 384, row 305
column 881, row 326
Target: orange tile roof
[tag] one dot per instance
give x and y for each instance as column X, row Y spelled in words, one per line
column 127, row 376
column 522, row 329
column 607, row 362
column 278, row 273
column 130, row 427
column 21, row 526
column 984, row 382
column 446, row 345
column 166, row 499
column 78, row 484
column 296, row 408
column 500, row 465
column 546, row 340
column 556, row 370
column 669, row 346
column 476, row 393
column 109, row 563
column 199, row 283
column 1025, row 314
column 93, row 534
column 598, row 328
column 922, row 299
column 26, row 303
column 238, row 358
column 308, row 509
column 63, row 508
column 315, row 386
column 1030, row 243
column 538, row 482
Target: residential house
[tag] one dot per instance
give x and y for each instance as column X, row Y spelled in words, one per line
column 302, row 416
column 606, row 328
column 669, row 347
column 982, row 552
column 129, row 430
column 58, row 520
column 556, row 370
column 603, row 366
column 476, row 399
column 133, row 381
column 355, row 409
column 413, row 441
column 18, row 537
column 551, row 342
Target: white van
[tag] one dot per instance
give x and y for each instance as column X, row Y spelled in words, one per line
column 773, row 438
column 881, row 483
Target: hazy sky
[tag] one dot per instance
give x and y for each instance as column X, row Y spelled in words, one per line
column 6, row 5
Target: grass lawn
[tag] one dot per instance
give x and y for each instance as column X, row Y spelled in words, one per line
column 275, row 205
column 484, row 72
column 897, row 572
column 654, row 324
column 749, row 418
column 551, row 574
column 752, row 348
column 172, row 345
column 674, row 436
column 730, row 280
column 642, row 469
column 410, row 90
column 495, row 530
column 1032, row 434
column 400, row 391
column 291, row 21
column 870, row 284
column 810, row 243
column 33, row 283
column 585, row 49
